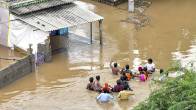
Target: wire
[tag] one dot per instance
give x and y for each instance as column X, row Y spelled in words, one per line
column 8, row 59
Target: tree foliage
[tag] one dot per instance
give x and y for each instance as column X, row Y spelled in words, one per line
column 174, row 94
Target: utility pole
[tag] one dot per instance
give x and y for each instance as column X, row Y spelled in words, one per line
column 131, row 5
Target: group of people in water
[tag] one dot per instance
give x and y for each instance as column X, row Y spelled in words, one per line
column 122, row 85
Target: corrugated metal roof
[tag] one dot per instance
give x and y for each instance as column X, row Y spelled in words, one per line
column 59, row 17
column 13, row 1
column 28, row 6
column 4, row 4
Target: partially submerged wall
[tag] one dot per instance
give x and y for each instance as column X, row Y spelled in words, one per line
column 17, row 70
column 44, row 53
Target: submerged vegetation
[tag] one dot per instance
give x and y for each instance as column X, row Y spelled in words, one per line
column 174, row 94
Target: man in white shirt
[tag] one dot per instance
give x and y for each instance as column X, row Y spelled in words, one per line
column 104, row 97
column 150, row 66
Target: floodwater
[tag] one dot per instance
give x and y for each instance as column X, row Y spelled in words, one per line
column 5, row 54
column 60, row 85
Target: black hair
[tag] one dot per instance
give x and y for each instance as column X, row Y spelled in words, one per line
column 150, row 60
column 115, row 65
column 122, row 78
column 118, row 82
column 126, row 83
column 91, row 79
column 98, row 77
column 141, row 72
column 145, row 69
column 161, row 71
column 105, row 91
column 127, row 67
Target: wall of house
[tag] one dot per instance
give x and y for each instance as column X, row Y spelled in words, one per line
column 44, row 52
column 21, row 35
column 4, row 26
column 59, row 40
column 58, row 44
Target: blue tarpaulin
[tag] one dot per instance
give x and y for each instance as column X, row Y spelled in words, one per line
column 60, row 32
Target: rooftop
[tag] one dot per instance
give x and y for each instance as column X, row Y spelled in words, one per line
column 59, row 17
column 49, row 15
column 28, row 6
column 4, row 4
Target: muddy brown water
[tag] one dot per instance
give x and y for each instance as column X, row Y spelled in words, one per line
column 7, row 53
column 60, row 85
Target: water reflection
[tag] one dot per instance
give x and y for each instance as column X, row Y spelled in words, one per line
column 187, row 58
column 85, row 5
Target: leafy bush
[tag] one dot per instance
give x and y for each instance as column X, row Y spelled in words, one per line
column 174, row 94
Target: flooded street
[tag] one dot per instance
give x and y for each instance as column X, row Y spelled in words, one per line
column 61, row 85
column 5, row 54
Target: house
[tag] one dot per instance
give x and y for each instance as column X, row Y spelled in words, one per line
column 25, row 22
